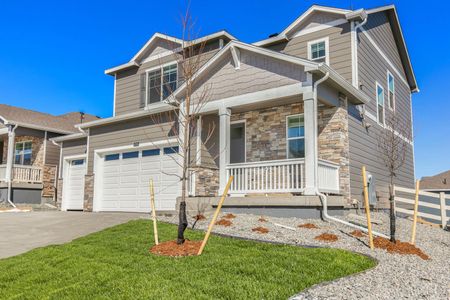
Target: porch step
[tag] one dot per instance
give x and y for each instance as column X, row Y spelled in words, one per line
column 271, row 195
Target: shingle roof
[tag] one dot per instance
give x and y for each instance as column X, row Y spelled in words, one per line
column 437, row 182
column 24, row 117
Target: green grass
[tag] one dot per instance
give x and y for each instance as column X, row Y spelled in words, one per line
column 115, row 263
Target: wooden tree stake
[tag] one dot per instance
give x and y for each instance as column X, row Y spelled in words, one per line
column 216, row 214
column 367, row 206
column 416, row 208
column 152, row 204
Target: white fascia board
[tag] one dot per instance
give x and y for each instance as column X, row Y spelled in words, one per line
column 150, row 41
column 3, row 131
column 114, row 70
column 309, row 65
column 38, row 127
column 68, row 137
column 149, row 110
column 271, row 40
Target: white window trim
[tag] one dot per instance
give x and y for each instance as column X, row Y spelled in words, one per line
column 287, row 133
column 393, row 92
column 327, row 49
column 245, row 136
column 384, row 104
column 160, row 67
column 22, row 157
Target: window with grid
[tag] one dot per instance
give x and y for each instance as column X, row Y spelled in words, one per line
column 161, row 83
column 23, row 153
column 295, row 136
column 318, row 51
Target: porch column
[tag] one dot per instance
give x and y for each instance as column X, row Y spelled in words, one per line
column 310, row 143
column 10, row 158
column 224, row 146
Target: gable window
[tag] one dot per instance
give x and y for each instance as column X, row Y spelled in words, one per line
column 295, row 136
column 318, row 51
column 380, row 104
column 391, row 90
column 23, row 153
column 161, row 82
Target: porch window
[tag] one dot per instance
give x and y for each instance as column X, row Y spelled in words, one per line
column 295, row 136
column 23, row 153
column 161, row 82
column 380, row 104
column 391, row 90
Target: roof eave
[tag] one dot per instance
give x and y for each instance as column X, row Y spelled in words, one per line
column 122, row 67
column 74, row 136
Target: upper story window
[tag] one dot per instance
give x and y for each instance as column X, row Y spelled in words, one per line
column 391, row 90
column 295, row 136
column 318, row 50
column 23, row 153
column 380, row 104
column 161, row 82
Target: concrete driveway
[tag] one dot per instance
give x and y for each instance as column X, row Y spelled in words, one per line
column 21, row 232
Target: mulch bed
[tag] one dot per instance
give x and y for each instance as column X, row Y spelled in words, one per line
column 398, row 247
column 358, row 233
column 229, row 216
column 171, row 248
column 326, row 237
column 199, row 217
column 224, row 222
column 308, row 226
column 261, row 230
column 262, row 220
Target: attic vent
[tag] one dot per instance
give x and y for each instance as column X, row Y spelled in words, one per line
column 444, row 181
column 273, row 35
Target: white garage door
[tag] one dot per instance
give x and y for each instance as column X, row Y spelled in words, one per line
column 74, row 194
column 126, row 180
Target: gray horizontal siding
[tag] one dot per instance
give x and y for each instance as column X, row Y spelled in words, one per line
column 380, row 30
column 339, row 46
column 74, row 147
column 364, row 151
column 128, row 81
column 144, row 130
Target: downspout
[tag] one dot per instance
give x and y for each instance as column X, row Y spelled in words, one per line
column 322, row 196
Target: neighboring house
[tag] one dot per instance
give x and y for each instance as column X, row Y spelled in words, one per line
column 28, row 159
column 296, row 114
column 437, row 183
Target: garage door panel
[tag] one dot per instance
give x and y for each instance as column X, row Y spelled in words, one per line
column 74, row 185
column 126, row 183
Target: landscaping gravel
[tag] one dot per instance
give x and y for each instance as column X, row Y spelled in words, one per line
column 395, row 277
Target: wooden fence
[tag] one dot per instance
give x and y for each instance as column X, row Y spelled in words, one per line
column 432, row 206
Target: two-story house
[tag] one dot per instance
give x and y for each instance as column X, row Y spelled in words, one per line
column 296, row 115
column 28, row 159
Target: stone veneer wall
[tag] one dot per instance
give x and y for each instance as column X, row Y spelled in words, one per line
column 265, row 131
column 206, row 181
column 333, row 142
column 37, row 158
column 88, row 192
column 59, row 192
column 48, row 180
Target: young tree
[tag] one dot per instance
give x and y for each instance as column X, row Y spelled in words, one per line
column 393, row 143
column 186, row 109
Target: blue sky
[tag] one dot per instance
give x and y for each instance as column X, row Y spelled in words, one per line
column 53, row 53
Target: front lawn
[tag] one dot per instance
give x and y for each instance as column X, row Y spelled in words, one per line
column 115, row 263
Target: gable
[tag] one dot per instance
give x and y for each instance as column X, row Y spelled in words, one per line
column 317, row 20
column 380, row 29
column 256, row 72
column 158, row 48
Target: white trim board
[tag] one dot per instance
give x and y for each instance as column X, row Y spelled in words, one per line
column 320, row 27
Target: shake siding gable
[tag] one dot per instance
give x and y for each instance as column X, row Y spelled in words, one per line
column 256, row 73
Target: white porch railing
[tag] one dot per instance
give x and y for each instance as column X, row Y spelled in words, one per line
column 23, row 174
column 280, row 176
